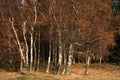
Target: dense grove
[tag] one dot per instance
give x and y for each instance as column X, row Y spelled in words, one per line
column 57, row 33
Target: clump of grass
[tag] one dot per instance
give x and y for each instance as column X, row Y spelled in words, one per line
column 49, row 78
column 21, row 78
column 108, row 67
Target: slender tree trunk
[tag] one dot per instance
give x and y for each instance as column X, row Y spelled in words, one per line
column 17, row 38
column 60, row 51
column 26, row 44
column 31, row 34
column 35, row 55
column 55, row 68
column 87, row 65
column 31, row 51
column 38, row 56
column 65, row 59
column 11, row 20
column 70, row 58
column 50, row 49
column 100, row 59
column 49, row 59
column 21, row 65
column 53, row 51
column 38, row 61
column 43, row 49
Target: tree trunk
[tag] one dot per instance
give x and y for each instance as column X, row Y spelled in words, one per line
column 65, row 60
column 43, row 48
column 35, row 55
column 21, row 65
column 60, row 50
column 17, row 38
column 26, row 44
column 70, row 58
column 50, row 49
column 38, row 61
column 87, row 65
column 100, row 59
column 55, row 53
column 31, row 50
column 38, row 56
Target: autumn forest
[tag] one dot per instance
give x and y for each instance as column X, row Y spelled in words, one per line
column 56, row 34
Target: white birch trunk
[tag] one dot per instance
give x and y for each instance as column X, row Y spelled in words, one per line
column 100, row 60
column 26, row 44
column 50, row 40
column 87, row 65
column 50, row 48
column 60, row 51
column 18, row 42
column 31, row 50
column 70, row 58
column 31, row 34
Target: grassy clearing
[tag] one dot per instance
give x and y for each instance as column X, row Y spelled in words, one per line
column 96, row 72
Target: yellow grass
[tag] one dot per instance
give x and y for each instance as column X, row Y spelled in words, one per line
column 96, row 72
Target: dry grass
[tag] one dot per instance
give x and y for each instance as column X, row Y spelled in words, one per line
column 96, row 72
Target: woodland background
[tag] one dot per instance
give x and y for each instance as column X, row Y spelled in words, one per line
column 55, row 34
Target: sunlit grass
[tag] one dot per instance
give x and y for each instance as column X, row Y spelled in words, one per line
column 96, row 72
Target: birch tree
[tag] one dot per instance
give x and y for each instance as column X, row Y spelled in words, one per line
column 11, row 20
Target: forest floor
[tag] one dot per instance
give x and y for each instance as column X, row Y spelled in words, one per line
column 96, row 72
